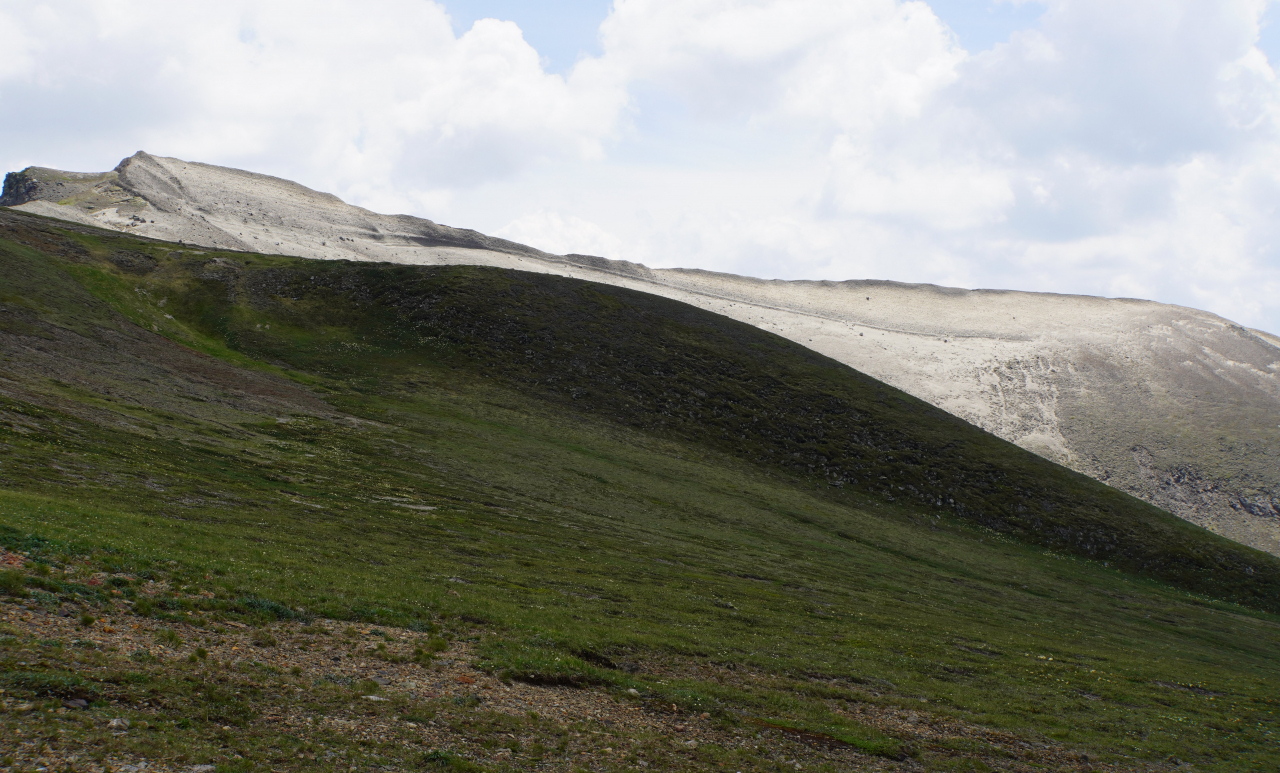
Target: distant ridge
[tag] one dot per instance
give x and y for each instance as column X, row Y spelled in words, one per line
column 1174, row 405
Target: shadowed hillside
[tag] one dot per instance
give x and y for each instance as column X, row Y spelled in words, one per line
column 677, row 371
column 1174, row 405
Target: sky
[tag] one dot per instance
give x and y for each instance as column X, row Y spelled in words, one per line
column 1122, row 148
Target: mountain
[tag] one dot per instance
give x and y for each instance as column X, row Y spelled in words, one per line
column 278, row 512
column 1176, row 406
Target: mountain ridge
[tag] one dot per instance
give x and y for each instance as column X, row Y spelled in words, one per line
column 1171, row 404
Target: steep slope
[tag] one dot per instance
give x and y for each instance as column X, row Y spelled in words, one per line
column 586, row 486
column 1176, row 406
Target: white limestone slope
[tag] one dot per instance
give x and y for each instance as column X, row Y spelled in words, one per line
column 1174, row 405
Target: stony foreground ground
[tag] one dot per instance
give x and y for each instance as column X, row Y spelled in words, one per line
column 96, row 687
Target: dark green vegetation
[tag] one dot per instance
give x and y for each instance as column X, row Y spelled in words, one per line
column 623, row 491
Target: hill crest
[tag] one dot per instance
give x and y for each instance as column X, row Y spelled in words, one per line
column 1174, row 405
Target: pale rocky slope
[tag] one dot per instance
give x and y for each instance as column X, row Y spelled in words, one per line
column 1177, row 406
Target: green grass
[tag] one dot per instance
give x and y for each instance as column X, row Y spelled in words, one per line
column 583, row 472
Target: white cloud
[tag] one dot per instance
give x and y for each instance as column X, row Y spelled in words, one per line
column 1124, row 148
column 346, row 92
column 561, row 234
column 856, row 63
column 17, row 42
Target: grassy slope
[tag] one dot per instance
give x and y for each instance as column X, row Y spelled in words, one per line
column 587, row 532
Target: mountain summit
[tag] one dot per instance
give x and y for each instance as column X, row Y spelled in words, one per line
column 1177, row 406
